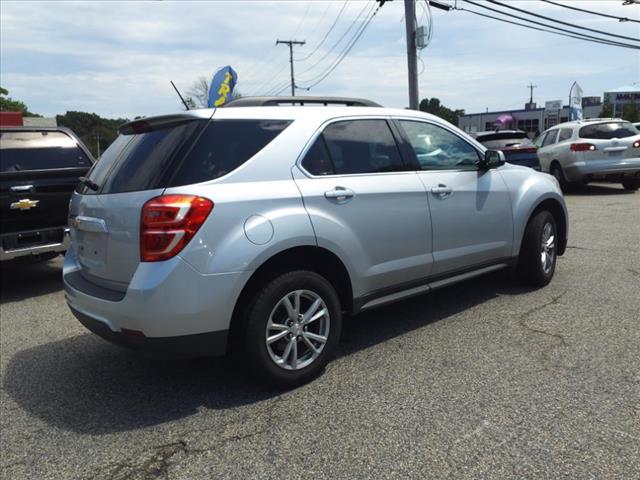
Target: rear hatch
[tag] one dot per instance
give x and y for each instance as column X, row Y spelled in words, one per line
column 518, row 149
column 148, row 157
column 611, row 141
column 38, row 172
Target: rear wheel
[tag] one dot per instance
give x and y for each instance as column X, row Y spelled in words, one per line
column 632, row 185
column 538, row 253
column 556, row 171
column 292, row 326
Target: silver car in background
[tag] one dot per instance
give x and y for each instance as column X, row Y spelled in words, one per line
column 254, row 228
column 599, row 149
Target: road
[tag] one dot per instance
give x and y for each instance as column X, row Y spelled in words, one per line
column 485, row 379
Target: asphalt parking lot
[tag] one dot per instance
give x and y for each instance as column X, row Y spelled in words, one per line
column 486, row 379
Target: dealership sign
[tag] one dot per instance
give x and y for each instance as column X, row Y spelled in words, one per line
column 552, row 107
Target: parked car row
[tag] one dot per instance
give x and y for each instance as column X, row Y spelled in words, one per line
column 254, row 230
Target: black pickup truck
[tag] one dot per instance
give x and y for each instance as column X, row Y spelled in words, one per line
column 39, row 169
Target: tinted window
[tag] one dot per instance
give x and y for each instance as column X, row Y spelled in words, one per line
column 565, row 134
column 550, row 139
column 39, row 151
column 606, row 131
column 439, row 149
column 317, row 160
column 140, row 161
column 362, row 146
column 224, row 146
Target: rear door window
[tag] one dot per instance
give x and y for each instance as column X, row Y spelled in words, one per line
column 550, row 139
column 357, row 146
column 609, row 130
column 565, row 134
column 39, row 150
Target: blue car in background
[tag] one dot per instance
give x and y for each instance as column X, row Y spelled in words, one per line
column 518, row 149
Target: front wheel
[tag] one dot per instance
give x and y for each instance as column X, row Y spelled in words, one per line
column 538, row 253
column 631, row 185
column 292, row 327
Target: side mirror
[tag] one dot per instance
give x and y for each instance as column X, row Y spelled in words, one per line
column 492, row 159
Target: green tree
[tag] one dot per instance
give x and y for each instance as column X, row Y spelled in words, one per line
column 7, row 104
column 433, row 106
column 92, row 129
column 631, row 113
column 607, row 110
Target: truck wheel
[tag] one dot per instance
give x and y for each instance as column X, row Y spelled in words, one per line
column 291, row 329
column 538, row 252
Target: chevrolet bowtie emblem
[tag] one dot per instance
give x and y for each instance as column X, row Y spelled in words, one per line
column 24, row 204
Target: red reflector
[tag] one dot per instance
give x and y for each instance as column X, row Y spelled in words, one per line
column 583, row 147
column 168, row 223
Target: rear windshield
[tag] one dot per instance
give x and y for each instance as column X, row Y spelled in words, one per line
column 164, row 157
column 504, row 139
column 607, row 131
column 29, row 150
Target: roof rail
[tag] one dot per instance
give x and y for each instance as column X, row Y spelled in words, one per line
column 274, row 101
column 601, row 119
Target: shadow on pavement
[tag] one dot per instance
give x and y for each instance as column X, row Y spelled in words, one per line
column 21, row 279
column 599, row 189
column 88, row 386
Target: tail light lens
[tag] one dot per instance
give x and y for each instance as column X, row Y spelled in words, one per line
column 636, row 144
column 168, row 223
column 583, row 147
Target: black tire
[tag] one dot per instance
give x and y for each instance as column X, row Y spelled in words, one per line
column 531, row 269
column 556, row 171
column 631, row 185
column 254, row 349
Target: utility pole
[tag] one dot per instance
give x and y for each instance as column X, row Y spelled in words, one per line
column 531, row 87
column 291, row 43
column 412, row 54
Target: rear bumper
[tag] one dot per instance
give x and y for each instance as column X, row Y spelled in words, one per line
column 54, row 240
column 605, row 170
column 168, row 306
column 202, row 344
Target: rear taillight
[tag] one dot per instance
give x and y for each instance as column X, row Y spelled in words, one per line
column 583, row 147
column 636, row 144
column 168, row 223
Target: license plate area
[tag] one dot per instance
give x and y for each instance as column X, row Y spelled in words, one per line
column 615, row 154
column 91, row 249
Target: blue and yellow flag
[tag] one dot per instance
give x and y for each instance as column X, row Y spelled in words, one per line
column 222, row 85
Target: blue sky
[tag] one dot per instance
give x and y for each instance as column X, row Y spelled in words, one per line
column 116, row 58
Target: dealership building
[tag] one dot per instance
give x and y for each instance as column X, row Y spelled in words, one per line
column 533, row 119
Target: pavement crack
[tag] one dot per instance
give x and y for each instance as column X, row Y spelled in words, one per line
column 559, row 339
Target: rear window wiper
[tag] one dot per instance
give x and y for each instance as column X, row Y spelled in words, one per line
column 89, row 183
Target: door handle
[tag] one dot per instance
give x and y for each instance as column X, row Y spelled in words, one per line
column 340, row 194
column 442, row 191
column 23, row 189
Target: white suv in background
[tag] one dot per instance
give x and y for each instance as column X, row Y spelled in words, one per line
column 599, row 149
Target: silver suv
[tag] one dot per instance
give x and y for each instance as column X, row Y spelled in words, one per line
column 255, row 229
column 600, row 149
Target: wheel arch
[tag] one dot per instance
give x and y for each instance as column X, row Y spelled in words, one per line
column 556, row 209
column 307, row 257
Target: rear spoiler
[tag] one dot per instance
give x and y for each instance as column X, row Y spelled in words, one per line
column 145, row 125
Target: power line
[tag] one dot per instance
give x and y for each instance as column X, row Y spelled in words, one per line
column 326, row 35
column 336, row 43
column 604, row 42
column 579, row 27
column 346, row 51
column 302, row 20
column 620, row 19
column 582, row 36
